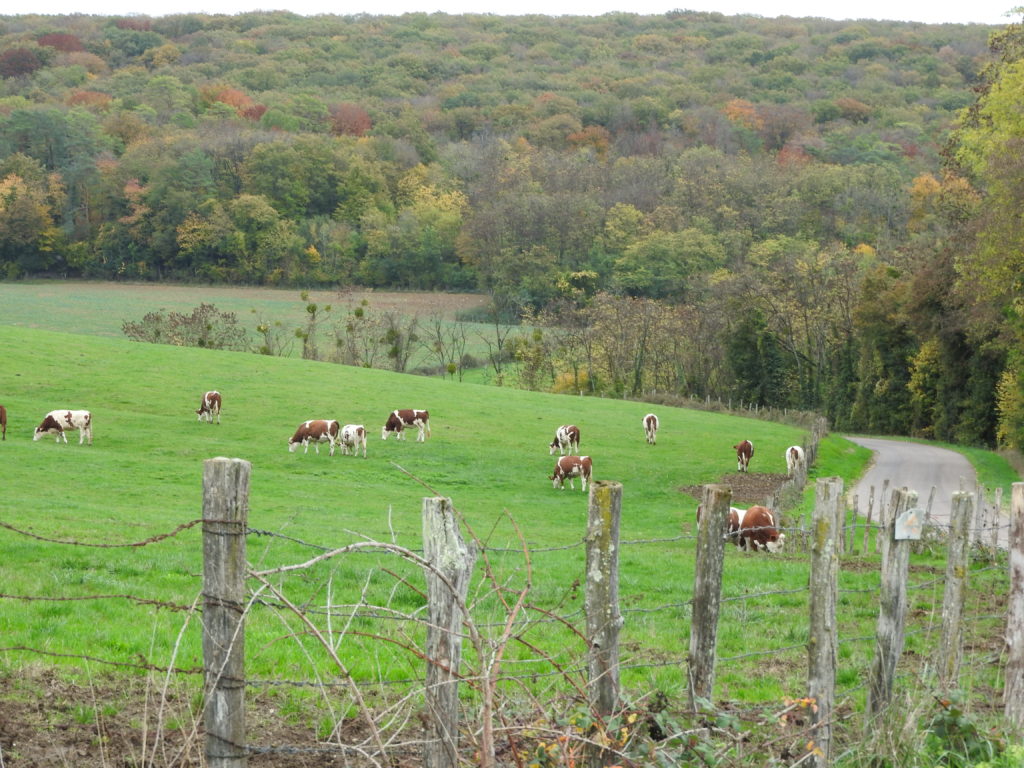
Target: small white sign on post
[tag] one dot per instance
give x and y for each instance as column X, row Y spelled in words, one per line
column 908, row 525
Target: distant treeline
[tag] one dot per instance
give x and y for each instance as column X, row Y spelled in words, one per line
column 788, row 187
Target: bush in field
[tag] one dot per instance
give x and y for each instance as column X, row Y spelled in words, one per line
column 206, row 327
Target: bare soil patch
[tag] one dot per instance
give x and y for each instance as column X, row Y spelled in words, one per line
column 747, row 487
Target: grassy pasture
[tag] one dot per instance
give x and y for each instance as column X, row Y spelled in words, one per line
column 488, row 451
column 99, row 308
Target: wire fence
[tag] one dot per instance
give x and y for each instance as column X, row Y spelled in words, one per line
column 352, row 643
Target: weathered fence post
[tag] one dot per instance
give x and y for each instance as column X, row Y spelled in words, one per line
column 601, row 604
column 928, row 509
column 997, row 517
column 225, row 517
column 953, row 598
column 881, row 534
column 1013, row 690
column 851, row 542
column 447, row 585
column 707, row 590
column 867, row 523
column 826, row 525
column 892, row 611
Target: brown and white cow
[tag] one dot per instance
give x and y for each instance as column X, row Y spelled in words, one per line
column 3, row 422
column 57, row 422
column 567, row 438
column 755, row 526
column 314, row 431
column 407, row 417
column 754, row 529
column 353, row 436
column 209, row 406
column 744, row 453
column 794, row 459
column 570, row 467
column 651, row 427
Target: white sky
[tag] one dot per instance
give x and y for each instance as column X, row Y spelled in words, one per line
column 928, row 11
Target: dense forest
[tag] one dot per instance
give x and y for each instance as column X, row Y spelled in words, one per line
column 797, row 213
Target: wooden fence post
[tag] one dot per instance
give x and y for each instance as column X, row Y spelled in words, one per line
column 826, row 526
column 883, row 521
column 225, row 516
column 997, row 518
column 867, row 523
column 851, row 548
column 707, row 590
column 950, row 650
column 892, row 611
column 601, row 605
column 447, row 586
column 1013, row 690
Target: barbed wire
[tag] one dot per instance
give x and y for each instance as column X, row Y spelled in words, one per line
column 149, row 667
column 132, row 598
column 143, row 543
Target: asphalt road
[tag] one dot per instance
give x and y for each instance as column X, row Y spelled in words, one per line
column 917, row 467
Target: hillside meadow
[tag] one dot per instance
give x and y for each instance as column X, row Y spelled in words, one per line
column 488, row 451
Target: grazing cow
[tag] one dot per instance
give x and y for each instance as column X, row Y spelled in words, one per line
column 3, row 422
column 209, row 407
column 571, row 467
column 651, row 427
column 56, row 422
column 407, row 417
column 794, row 459
column 353, row 436
column 755, row 529
column 754, row 526
column 744, row 453
column 567, row 438
column 314, row 431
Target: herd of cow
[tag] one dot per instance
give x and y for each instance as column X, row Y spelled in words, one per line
column 754, row 528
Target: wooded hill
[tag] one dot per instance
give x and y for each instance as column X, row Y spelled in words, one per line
column 773, row 189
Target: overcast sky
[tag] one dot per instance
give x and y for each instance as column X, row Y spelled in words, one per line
column 928, row 11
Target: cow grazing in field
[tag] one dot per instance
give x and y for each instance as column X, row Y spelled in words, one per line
column 58, row 422
column 353, row 436
column 314, row 431
column 407, row 417
column 570, row 467
column 794, row 459
column 754, row 527
column 209, row 407
column 3, row 422
column 567, row 438
column 744, row 453
column 651, row 427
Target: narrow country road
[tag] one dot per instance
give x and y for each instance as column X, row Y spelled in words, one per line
column 916, row 466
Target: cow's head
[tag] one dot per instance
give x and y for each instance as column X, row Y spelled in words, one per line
column 292, row 445
column 775, row 543
column 393, row 424
column 554, row 447
column 48, row 427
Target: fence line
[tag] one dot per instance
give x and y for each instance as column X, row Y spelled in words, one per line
column 530, row 616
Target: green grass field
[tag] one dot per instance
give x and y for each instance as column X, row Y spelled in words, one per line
column 100, row 308
column 488, row 452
